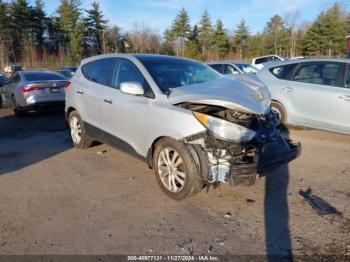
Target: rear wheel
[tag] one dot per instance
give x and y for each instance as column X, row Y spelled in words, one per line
column 17, row 110
column 280, row 111
column 175, row 169
column 78, row 133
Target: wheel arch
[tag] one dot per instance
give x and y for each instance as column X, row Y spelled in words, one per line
column 150, row 151
column 69, row 111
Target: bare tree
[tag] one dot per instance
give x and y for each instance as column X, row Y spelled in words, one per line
column 292, row 21
column 144, row 39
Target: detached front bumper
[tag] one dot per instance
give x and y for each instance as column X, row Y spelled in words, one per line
column 272, row 157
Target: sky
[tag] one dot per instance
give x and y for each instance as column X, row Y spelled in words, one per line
column 158, row 14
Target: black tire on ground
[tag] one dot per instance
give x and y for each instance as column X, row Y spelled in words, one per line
column 17, row 111
column 282, row 112
column 1, row 104
column 194, row 181
column 85, row 141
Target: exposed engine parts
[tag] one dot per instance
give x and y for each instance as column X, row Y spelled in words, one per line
column 235, row 162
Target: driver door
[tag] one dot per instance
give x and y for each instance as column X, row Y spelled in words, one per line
column 125, row 116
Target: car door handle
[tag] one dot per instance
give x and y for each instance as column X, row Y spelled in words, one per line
column 345, row 98
column 80, row 92
column 108, row 101
column 288, row 89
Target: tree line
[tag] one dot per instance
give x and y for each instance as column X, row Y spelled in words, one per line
column 30, row 37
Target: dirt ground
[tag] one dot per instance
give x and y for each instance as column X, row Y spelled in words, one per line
column 59, row 200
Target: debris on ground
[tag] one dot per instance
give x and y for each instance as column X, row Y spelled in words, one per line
column 102, row 152
column 228, row 215
column 321, row 206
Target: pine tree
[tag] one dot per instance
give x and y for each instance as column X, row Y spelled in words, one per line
column 19, row 26
column 5, row 35
column 180, row 30
column 241, row 39
column 96, row 26
column 347, row 22
column 38, row 24
column 77, row 43
column 220, row 40
column 192, row 46
column 69, row 13
column 205, row 33
column 326, row 35
column 56, row 36
column 276, row 36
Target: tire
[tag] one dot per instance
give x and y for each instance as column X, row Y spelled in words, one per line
column 182, row 163
column 279, row 109
column 80, row 138
column 16, row 110
column 1, row 103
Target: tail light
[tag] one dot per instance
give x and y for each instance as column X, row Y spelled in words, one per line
column 26, row 89
column 67, row 84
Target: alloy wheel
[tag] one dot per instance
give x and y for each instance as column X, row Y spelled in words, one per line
column 75, row 129
column 171, row 169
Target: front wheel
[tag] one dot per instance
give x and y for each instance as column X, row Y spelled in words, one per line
column 280, row 111
column 175, row 169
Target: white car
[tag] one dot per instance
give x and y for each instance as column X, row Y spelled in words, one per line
column 311, row 92
column 259, row 62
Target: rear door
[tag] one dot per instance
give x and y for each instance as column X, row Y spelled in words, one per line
column 90, row 89
column 341, row 117
column 312, row 91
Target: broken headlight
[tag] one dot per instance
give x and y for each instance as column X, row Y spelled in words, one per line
column 224, row 129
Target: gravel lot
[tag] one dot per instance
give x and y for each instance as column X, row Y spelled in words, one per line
column 60, row 200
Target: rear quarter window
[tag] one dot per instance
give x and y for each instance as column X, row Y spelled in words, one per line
column 282, row 72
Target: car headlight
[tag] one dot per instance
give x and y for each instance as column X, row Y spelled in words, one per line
column 224, row 129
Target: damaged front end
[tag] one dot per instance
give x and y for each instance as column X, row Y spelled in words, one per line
column 261, row 146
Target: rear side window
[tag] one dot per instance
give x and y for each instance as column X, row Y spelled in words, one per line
column 100, row 71
column 319, row 73
column 282, row 72
column 42, row 76
column 347, row 77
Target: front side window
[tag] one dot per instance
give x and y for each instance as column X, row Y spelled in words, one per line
column 247, row 68
column 170, row 73
column 100, row 71
column 318, row 73
column 127, row 72
column 219, row 68
column 230, row 70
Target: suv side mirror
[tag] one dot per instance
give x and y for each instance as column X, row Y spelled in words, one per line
column 132, row 88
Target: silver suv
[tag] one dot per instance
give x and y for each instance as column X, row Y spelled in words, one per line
column 193, row 126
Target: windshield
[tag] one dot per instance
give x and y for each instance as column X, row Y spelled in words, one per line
column 247, row 68
column 170, row 73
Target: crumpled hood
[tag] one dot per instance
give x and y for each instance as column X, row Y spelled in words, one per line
column 226, row 92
